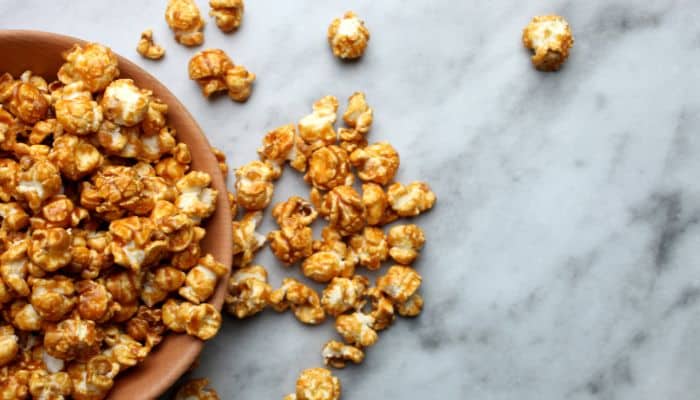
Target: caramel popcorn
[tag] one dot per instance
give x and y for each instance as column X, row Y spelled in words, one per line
column 303, row 301
column 399, row 283
column 239, row 82
column 278, row 145
column 317, row 384
column 94, row 301
column 248, row 292
column 137, row 243
column 146, row 326
column 196, row 389
column 201, row 280
column 125, row 104
column 359, row 114
column 184, row 19
column 215, row 72
column 73, row 338
column 14, row 218
column 50, row 248
column 14, row 266
column 410, row 200
column 94, row 65
column 147, row 48
column 405, row 241
column 44, row 385
column 344, row 294
column 356, row 329
column 337, row 354
column 228, row 13
column 323, row 266
column 23, row 316
column 123, row 349
column 75, row 157
column 348, row 36
column 316, row 129
column 254, row 184
column 52, row 298
column 28, row 103
column 175, row 224
column 114, row 191
column 76, row 111
column 376, row 163
column 94, row 379
column 294, row 211
column 246, row 241
column 291, row 243
column 202, row 320
column 411, row 307
column 43, row 129
column 8, row 344
column 371, row 247
column 550, row 38
column 343, row 209
column 351, row 140
column 196, row 198
column 38, row 180
column 382, row 309
column 221, row 158
column 328, row 167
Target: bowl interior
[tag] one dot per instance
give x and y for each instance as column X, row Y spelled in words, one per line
column 41, row 53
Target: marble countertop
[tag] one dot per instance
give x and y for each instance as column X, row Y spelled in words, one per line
column 562, row 256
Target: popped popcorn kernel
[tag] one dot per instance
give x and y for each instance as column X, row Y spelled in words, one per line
column 328, row 167
column 291, row 243
column 113, row 191
column 196, row 198
column 214, row 71
column 137, row 243
column 316, row 129
column 550, row 39
column 371, row 247
column 254, row 186
column 411, row 307
column 303, row 301
column 93, row 379
column 278, row 145
column 201, row 280
column 44, row 385
column 23, row 316
column 344, row 294
column 196, row 389
column 9, row 346
column 52, row 298
column 146, row 326
column 323, row 266
column 73, row 338
column 239, row 82
column 348, row 36
column 75, row 157
column 147, row 47
column 343, row 209
column 94, row 65
column 76, row 111
column 317, row 384
column 246, row 240
column 221, row 158
column 248, row 292
column 28, row 103
column 14, row 266
column 95, row 302
column 356, row 329
column 376, row 163
column 50, row 248
column 359, row 114
column 294, row 211
column 38, row 181
column 405, row 242
column 382, row 309
column 184, row 18
column 351, row 140
column 410, row 200
column 14, row 218
column 124, row 103
column 337, row 354
column 399, row 283
column 228, row 13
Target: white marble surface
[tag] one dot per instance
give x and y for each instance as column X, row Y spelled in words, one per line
column 562, row 260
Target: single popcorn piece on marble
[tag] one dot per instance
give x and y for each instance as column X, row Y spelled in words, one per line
column 294, row 211
column 356, row 329
column 215, row 72
column 291, row 243
column 371, row 247
column 399, row 283
column 94, row 65
column 137, row 243
column 248, row 292
column 344, row 294
column 184, row 18
column 405, row 242
column 239, row 82
column 278, row 145
column 52, row 298
column 376, row 163
column 93, row 379
column 351, row 140
column 9, row 344
column 348, row 36
column 359, row 114
column 147, row 47
column 124, row 103
column 196, row 198
column 410, row 200
column 328, row 167
column 411, row 307
column 254, row 186
column 317, row 384
column 201, row 280
column 228, row 13
column 76, row 111
column 323, row 266
column 337, row 354
column 221, row 159
column 344, row 210
column 316, row 129
column 303, row 301
column 550, row 39
column 196, row 389
column 73, row 338
column 246, row 240
column 75, row 157
column 45, row 385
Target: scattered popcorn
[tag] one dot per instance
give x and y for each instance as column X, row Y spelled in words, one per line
column 316, row 129
column 550, row 38
column 343, row 209
column 317, row 384
column 254, row 184
column 147, row 47
column 411, row 307
column 356, row 329
column 294, row 211
column 303, row 301
column 410, row 200
column 328, row 167
column 371, row 247
column 344, row 294
column 405, row 241
column 196, row 389
column 382, row 309
column 228, row 13
column 215, row 72
column 248, row 292
column 399, row 283
column 184, row 19
column 376, row 163
column 278, row 145
column 291, row 243
column 336, row 354
column 323, row 266
column 348, row 36
column 246, row 240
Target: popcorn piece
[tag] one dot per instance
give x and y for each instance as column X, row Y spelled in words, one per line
column 125, row 104
column 43, row 385
column 371, row 247
column 43, row 129
column 329, row 167
column 550, row 38
column 343, row 209
column 14, row 265
column 76, row 111
column 155, row 119
column 94, row 301
column 147, row 48
column 196, row 198
column 201, row 280
column 114, row 191
column 90, row 252
column 246, row 241
column 248, row 292
column 376, row 163
column 317, row 384
column 73, row 338
column 337, row 354
column 221, row 158
column 196, row 389
column 323, row 266
column 214, row 72
column 52, row 298
column 123, row 349
column 9, row 346
column 27, row 103
column 158, row 283
column 187, row 258
column 316, row 129
column 137, row 243
column 410, row 200
column 228, row 13
column 351, row 140
column 291, row 243
column 38, row 180
column 239, row 82
column 382, row 309
column 344, row 294
column 399, row 283
column 184, row 19
column 348, row 36
column 202, row 320
column 23, row 316
column 146, row 326
column 359, row 114
column 356, row 329
column 124, row 286
column 175, row 224
column 75, row 157
column 94, row 65
column 278, row 145
column 294, row 211
column 94, row 379
column 50, row 248
column 254, row 184
column 303, row 301
column 411, row 307
column 14, row 218
column 405, row 242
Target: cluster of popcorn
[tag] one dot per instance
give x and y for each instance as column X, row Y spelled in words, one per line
column 355, row 235
column 185, row 19
column 101, row 226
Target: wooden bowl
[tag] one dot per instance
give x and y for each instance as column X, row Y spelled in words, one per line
column 41, row 53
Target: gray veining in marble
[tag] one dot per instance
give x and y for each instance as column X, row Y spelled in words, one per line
column 562, row 257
